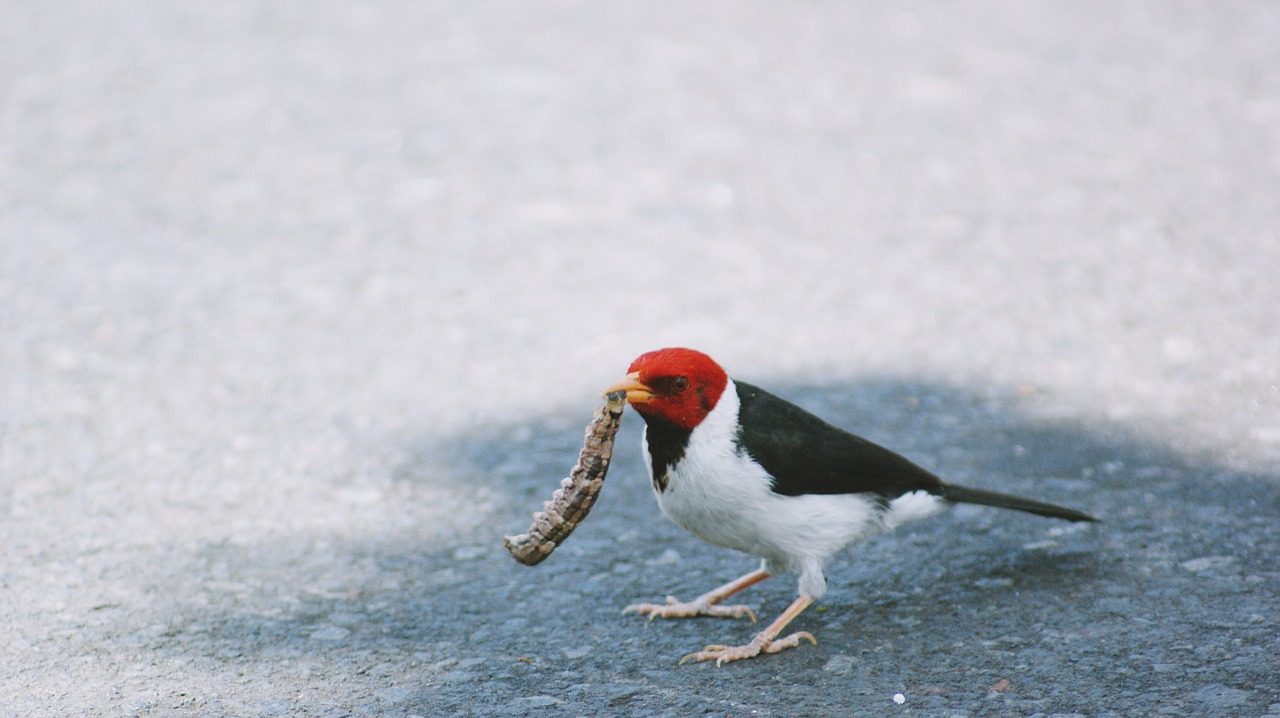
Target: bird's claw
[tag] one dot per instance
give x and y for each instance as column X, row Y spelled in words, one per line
column 760, row 644
column 675, row 608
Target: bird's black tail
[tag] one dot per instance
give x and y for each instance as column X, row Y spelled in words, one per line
column 963, row 495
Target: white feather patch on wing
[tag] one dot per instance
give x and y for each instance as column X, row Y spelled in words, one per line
column 915, row 506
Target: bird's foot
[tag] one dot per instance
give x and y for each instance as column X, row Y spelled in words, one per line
column 677, row 609
column 762, row 643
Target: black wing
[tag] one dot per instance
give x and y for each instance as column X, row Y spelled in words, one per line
column 806, row 455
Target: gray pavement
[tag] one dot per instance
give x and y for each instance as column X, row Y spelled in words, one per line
column 304, row 305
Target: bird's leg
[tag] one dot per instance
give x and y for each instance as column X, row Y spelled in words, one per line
column 705, row 605
column 766, row 641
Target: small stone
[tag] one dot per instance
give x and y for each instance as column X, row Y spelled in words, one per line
column 670, row 557
column 538, row 701
column 330, row 633
column 442, row 665
column 1220, row 696
column 840, row 664
column 1208, row 563
column 993, row 583
column 623, row 696
column 394, row 694
column 469, row 553
column 899, row 698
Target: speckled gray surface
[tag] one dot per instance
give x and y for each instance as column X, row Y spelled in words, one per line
column 304, row 305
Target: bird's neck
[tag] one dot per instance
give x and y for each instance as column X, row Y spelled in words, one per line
column 666, row 443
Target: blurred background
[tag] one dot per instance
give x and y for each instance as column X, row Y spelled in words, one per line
column 270, row 272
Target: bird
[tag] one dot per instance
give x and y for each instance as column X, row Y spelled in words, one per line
column 744, row 469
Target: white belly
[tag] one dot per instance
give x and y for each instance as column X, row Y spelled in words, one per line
column 739, row 510
column 720, row 495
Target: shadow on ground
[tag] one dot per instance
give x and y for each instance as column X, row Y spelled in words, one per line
column 1168, row 606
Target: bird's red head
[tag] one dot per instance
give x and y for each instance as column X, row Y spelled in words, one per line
column 679, row 385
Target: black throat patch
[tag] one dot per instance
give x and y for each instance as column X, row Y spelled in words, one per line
column 667, row 444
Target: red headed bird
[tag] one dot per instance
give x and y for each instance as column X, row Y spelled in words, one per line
column 744, row 469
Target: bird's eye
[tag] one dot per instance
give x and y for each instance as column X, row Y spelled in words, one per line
column 681, row 383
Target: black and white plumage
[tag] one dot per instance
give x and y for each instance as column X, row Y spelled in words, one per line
column 743, row 469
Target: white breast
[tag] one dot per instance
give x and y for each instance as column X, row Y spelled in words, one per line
column 719, row 494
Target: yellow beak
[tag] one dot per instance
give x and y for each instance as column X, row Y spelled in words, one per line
column 637, row 392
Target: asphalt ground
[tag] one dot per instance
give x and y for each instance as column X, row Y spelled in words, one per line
column 304, row 305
